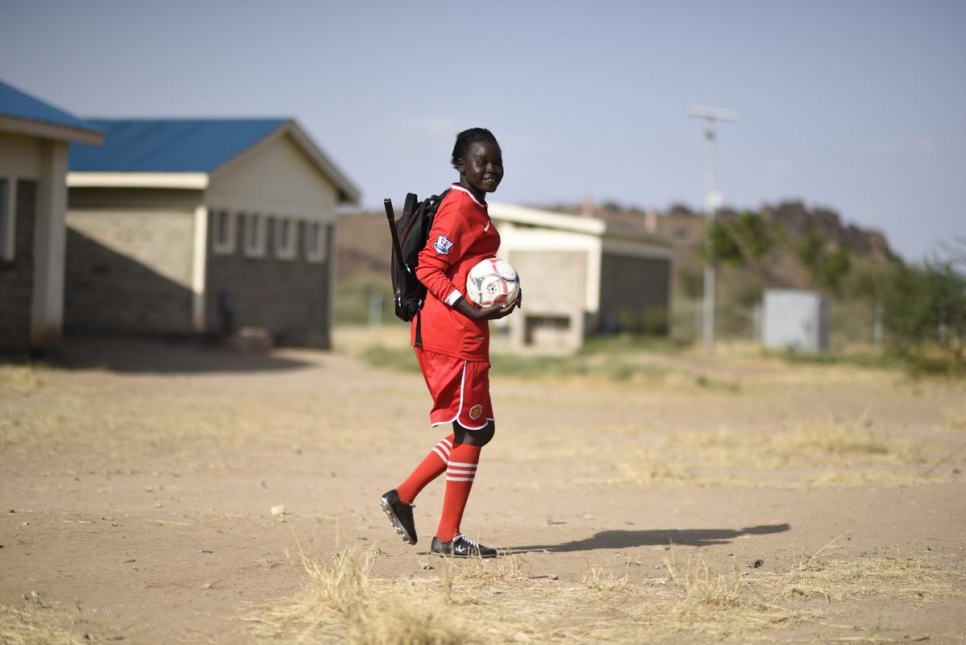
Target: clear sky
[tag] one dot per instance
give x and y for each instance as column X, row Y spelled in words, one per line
column 854, row 105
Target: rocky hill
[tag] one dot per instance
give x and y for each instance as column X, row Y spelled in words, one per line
column 788, row 225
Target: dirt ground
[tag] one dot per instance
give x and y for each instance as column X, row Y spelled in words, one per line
column 715, row 498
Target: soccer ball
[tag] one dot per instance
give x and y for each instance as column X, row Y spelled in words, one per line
column 492, row 282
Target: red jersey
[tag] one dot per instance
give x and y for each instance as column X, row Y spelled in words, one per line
column 461, row 236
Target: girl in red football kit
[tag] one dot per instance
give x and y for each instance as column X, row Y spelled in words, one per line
column 451, row 337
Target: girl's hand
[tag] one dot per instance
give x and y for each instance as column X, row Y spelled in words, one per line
column 494, row 312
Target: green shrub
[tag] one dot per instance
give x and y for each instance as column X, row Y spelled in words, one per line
column 924, row 315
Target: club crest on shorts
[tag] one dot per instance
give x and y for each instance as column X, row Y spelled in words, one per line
column 476, row 411
column 442, row 245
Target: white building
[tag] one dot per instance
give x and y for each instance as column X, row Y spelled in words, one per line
column 204, row 226
column 795, row 320
column 34, row 141
column 581, row 276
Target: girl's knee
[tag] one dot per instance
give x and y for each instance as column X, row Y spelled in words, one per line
column 478, row 438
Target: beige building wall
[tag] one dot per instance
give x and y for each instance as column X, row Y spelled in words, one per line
column 553, row 316
column 130, row 270
column 559, row 276
column 20, row 160
column 517, row 239
column 45, row 162
column 21, row 156
column 162, row 240
column 277, row 179
column 559, row 279
column 154, row 228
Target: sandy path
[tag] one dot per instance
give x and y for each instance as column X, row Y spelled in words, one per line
column 138, row 482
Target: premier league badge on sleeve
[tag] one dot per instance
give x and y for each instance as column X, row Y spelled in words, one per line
column 442, row 245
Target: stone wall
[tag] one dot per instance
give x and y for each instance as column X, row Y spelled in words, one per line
column 129, row 270
column 288, row 297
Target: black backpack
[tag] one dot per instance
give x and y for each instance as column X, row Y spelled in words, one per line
column 409, row 235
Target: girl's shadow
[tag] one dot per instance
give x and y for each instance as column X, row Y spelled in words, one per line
column 628, row 539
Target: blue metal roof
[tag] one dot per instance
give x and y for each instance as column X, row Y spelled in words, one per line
column 18, row 105
column 169, row 145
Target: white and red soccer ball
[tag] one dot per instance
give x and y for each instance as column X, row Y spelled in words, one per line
column 491, row 282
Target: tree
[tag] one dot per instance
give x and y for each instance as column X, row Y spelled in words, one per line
column 925, row 314
column 750, row 231
column 835, row 266
column 742, row 240
column 724, row 250
column 827, row 266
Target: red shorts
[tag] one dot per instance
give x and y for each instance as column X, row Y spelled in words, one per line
column 460, row 389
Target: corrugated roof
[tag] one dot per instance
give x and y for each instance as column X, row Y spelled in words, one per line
column 169, row 145
column 19, row 105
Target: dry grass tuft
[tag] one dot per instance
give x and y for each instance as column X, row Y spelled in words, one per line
column 641, row 466
column 828, row 440
column 35, row 623
column 832, row 576
column 816, row 444
column 954, row 417
column 340, row 605
column 495, row 601
column 598, row 579
column 343, row 603
column 702, row 585
column 20, row 379
column 506, row 569
column 829, row 453
column 718, row 605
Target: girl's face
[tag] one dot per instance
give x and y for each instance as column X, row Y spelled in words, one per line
column 482, row 169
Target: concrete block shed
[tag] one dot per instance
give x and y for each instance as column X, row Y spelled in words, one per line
column 34, row 146
column 795, row 320
column 204, row 226
column 582, row 276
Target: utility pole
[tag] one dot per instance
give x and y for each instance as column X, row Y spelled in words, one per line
column 711, row 202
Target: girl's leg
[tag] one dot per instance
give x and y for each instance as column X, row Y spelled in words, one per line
column 432, row 466
column 460, row 474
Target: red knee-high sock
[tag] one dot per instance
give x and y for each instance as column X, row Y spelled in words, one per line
column 460, row 474
column 431, row 467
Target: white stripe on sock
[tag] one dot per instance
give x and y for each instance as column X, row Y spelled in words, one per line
column 443, row 449
column 460, row 475
column 460, row 471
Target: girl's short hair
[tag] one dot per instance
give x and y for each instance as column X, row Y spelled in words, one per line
column 467, row 138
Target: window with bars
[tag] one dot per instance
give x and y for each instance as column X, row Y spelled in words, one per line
column 285, row 234
column 223, row 231
column 254, row 235
column 6, row 222
column 316, row 242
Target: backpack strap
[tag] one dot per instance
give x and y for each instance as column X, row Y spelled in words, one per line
column 419, row 329
column 435, row 200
